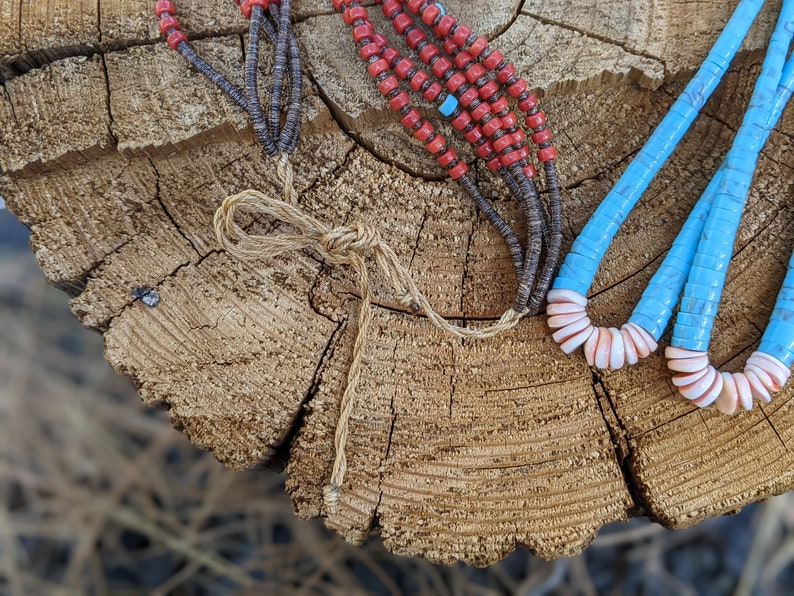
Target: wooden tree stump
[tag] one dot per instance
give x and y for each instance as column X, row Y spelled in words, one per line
column 116, row 155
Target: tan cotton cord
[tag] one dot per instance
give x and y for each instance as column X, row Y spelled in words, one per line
column 349, row 244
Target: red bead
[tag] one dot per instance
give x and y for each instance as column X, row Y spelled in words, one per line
column 338, row 4
column 478, row 46
column 441, row 66
column 168, row 23
column 518, row 135
column 524, row 151
column 419, row 79
column 517, row 88
column 369, row 50
column 484, row 150
column 175, row 38
column 377, row 67
column 402, row 68
column 432, row 92
column 245, row 8
column 430, row 13
column 415, row 37
column 491, row 126
column 536, row 120
column 474, row 135
column 543, row 136
column 444, row 25
column 468, row 96
column 493, row 60
column 388, row 85
column 480, row 111
column 411, row 118
column 399, row 101
column 458, row 170
column 455, row 81
column 436, row 144
column 401, row 22
column 510, row 158
column 390, row 55
column 164, row 6
column 547, row 154
column 449, row 47
column 508, row 120
column 529, row 171
column 502, row 143
column 474, row 73
column 363, row 32
column 461, row 121
column 499, row 106
column 505, row 73
column 415, row 5
column 428, row 52
column 380, row 40
column 489, row 89
column 494, row 164
column 424, row 131
column 461, row 35
column 351, row 15
column 530, row 102
column 391, row 8
column 463, row 59
column 447, row 157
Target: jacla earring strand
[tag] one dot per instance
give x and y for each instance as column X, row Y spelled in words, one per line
column 613, row 347
column 768, row 368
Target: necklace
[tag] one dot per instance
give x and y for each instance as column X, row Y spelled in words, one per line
column 698, row 259
column 477, row 105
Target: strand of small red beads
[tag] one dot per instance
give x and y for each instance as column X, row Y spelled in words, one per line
column 473, row 55
column 379, row 55
column 272, row 135
column 483, row 117
column 466, row 78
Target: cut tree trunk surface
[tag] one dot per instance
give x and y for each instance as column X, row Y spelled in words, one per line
column 116, row 155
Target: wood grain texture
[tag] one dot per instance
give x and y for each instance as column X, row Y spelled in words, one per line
column 116, row 156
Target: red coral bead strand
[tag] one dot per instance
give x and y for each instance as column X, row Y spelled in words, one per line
column 369, row 41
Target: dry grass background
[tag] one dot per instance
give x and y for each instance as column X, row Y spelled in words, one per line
column 99, row 495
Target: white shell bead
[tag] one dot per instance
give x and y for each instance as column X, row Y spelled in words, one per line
column 700, row 387
column 563, row 308
column 571, row 329
column 554, row 296
column 576, row 340
column 629, row 349
column 641, row 347
column 766, row 380
column 590, row 346
column 712, row 393
column 603, row 348
column 682, row 379
column 728, row 399
column 757, row 387
column 743, row 390
column 688, row 364
column 557, row 321
column 617, row 352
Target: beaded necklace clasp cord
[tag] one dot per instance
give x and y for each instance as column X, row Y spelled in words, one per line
column 695, row 267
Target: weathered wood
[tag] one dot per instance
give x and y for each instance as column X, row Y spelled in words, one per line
column 116, row 156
